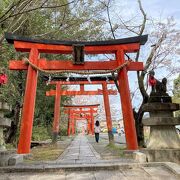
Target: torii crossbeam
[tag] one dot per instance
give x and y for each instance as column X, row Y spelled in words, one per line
column 118, row 47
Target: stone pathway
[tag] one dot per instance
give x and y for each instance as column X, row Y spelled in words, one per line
column 81, row 161
column 79, row 151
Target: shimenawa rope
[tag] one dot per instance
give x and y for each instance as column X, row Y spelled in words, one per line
column 78, row 71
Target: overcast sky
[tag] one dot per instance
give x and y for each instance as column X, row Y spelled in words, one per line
column 153, row 8
column 163, row 7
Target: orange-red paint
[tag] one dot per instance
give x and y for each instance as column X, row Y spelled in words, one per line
column 92, row 121
column 57, row 109
column 128, row 118
column 62, row 49
column 76, row 114
column 73, row 93
column 107, row 107
column 81, row 111
column 79, row 82
column 67, row 65
column 69, row 123
column 28, row 106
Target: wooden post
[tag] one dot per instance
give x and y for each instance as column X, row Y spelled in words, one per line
column 28, row 105
column 56, row 121
column 73, row 124
column 128, row 118
column 88, row 125
column 81, row 87
column 92, row 122
column 108, row 112
column 69, row 123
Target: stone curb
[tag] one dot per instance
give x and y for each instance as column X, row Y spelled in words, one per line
column 97, row 155
column 88, row 167
column 65, row 151
column 173, row 167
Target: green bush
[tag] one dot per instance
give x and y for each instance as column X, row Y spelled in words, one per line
column 40, row 133
column 63, row 132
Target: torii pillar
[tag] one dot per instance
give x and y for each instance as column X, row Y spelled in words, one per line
column 128, row 118
column 69, row 123
column 92, row 121
column 89, row 125
column 28, row 105
column 73, row 124
column 56, row 121
column 108, row 112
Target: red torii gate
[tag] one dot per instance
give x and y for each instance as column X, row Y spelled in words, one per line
column 118, row 47
column 81, row 81
column 74, row 113
column 87, row 117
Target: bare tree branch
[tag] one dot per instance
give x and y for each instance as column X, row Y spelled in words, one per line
column 108, row 14
column 127, row 27
column 144, row 18
column 153, row 51
column 109, row 19
column 33, row 9
column 10, row 8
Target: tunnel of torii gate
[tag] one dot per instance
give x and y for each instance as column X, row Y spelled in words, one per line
column 81, row 112
column 58, row 92
column 35, row 63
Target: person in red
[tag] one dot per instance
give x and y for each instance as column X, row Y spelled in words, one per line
column 3, row 77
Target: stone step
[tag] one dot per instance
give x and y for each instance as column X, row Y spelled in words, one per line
column 171, row 168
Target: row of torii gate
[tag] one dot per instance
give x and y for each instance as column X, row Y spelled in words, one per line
column 119, row 65
column 58, row 92
column 79, row 113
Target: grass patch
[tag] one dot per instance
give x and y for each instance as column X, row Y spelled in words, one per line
column 9, row 146
column 106, row 150
column 48, row 152
column 115, row 147
column 44, row 153
column 115, row 150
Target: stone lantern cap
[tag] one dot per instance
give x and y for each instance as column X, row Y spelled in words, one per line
column 157, row 106
column 4, row 106
column 5, row 122
column 158, row 121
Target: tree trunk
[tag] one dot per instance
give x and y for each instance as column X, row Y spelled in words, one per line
column 138, row 116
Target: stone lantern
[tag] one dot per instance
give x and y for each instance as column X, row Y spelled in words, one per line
column 4, row 123
column 164, row 141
